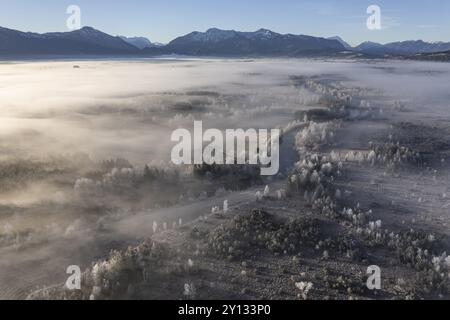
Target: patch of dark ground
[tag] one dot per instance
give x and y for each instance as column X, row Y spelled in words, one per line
column 254, row 254
column 432, row 142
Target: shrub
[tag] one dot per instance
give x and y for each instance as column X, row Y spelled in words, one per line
column 259, row 230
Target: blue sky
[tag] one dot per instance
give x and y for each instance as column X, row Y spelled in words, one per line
column 164, row 20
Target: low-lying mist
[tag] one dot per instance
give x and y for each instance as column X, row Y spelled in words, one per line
column 83, row 148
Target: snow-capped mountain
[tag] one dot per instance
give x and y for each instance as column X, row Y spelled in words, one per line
column 261, row 34
column 419, row 46
column 262, row 42
column 212, row 35
column 341, row 41
column 83, row 41
column 403, row 47
column 213, row 42
column 370, row 48
column 140, row 42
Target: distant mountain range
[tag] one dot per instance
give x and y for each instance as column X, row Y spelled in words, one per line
column 141, row 42
column 262, row 42
column 84, row 41
column 402, row 48
column 345, row 44
column 213, row 42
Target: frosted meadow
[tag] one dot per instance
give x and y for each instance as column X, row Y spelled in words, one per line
column 85, row 169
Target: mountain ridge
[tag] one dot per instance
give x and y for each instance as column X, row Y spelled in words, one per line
column 261, row 42
column 86, row 40
column 408, row 47
column 212, row 42
column 141, row 42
